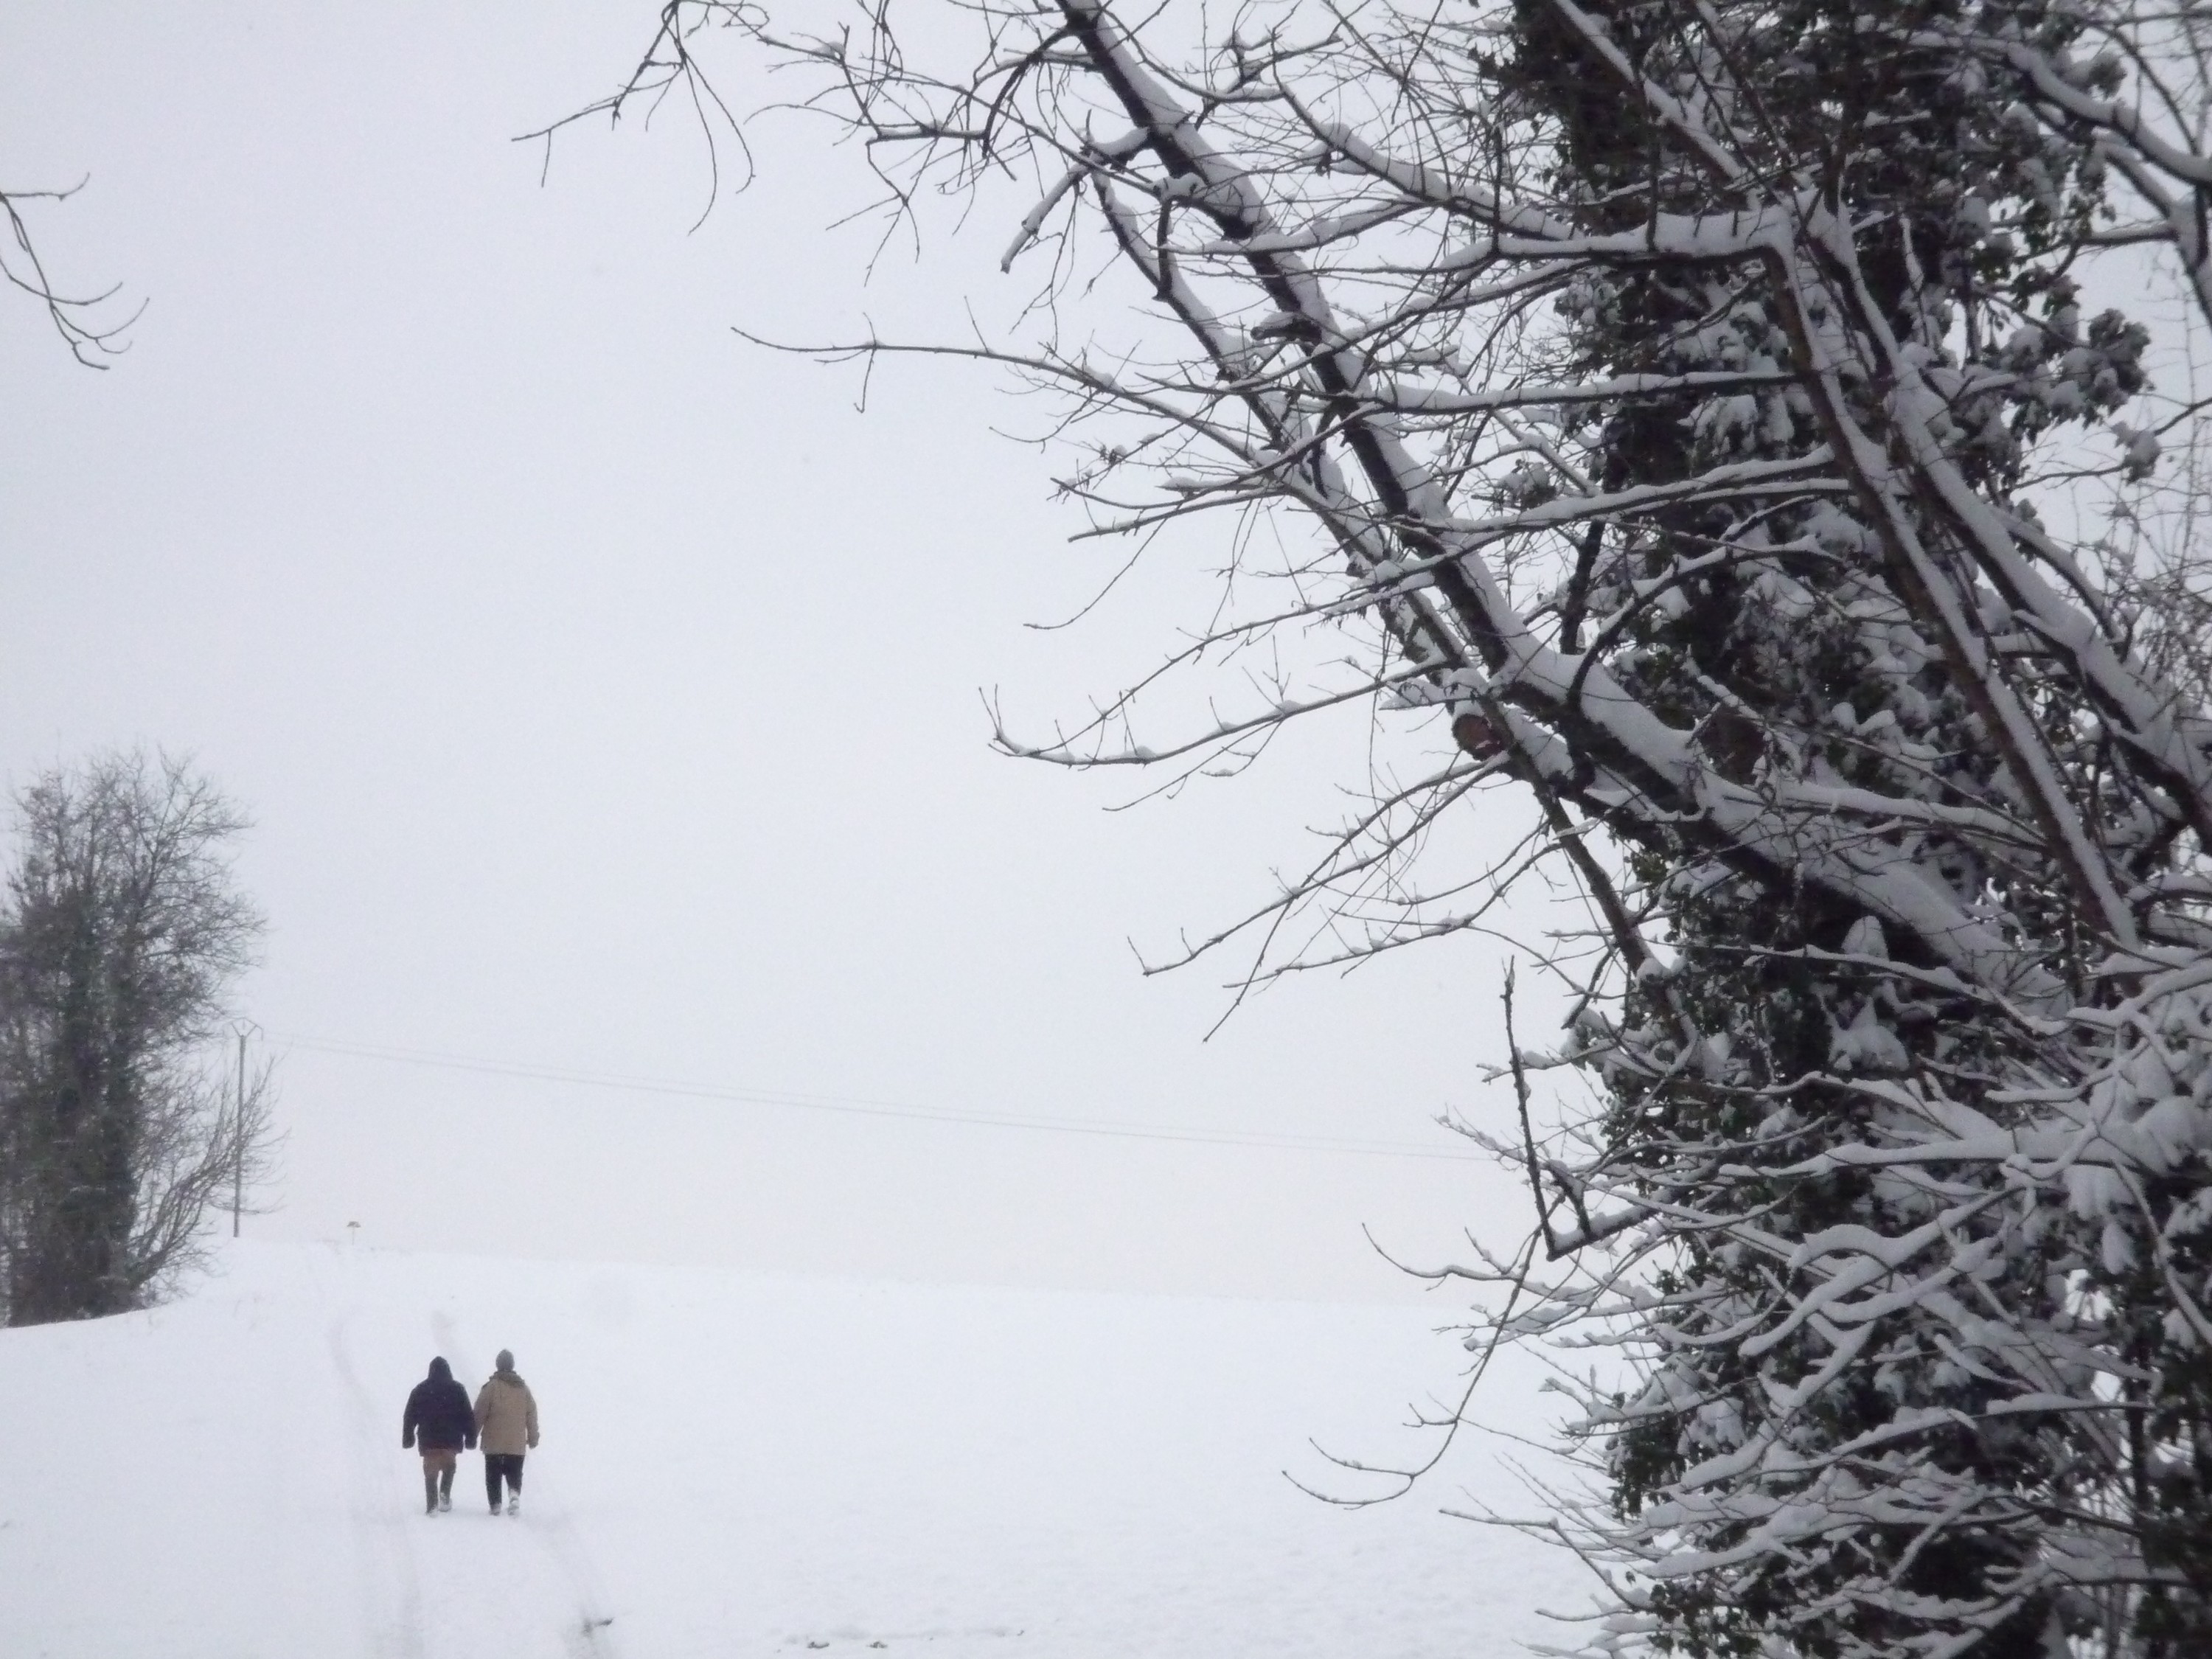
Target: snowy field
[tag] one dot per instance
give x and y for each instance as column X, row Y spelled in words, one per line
column 738, row 1465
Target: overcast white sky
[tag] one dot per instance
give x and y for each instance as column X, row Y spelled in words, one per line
column 605, row 691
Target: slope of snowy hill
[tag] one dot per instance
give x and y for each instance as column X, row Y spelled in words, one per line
column 738, row 1465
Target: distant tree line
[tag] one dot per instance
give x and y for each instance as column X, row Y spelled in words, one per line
column 121, row 932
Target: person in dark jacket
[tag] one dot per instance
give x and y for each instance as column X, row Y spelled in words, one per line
column 440, row 1416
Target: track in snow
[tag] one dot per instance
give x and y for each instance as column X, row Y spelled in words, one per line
column 466, row 1582
column 737, row 1465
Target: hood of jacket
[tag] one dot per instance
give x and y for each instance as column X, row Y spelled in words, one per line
column 515, row 1377
column 440, row 1371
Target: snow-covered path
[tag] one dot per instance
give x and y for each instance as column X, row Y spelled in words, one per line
column 734, row 1465
column 466, row 1590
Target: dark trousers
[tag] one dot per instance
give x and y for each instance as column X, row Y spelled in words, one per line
column 497, row 1464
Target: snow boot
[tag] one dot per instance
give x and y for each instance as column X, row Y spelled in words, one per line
column 514, row 1502
column 445, row 1501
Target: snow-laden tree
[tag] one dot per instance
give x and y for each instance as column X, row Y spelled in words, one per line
column 1714, row 416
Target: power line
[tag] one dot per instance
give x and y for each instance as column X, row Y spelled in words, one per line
column 856, row 1106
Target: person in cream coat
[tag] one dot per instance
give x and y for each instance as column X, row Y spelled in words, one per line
column 507, row 1427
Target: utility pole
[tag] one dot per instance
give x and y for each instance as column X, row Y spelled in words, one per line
column 238, row 1150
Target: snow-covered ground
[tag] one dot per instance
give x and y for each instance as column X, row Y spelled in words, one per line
column 738, row 1465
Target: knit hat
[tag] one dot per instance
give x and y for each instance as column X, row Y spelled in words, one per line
column 506, row 1361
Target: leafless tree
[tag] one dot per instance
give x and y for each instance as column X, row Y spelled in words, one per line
column 121, row 932
column 77, row 318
